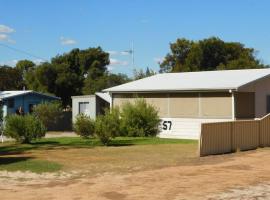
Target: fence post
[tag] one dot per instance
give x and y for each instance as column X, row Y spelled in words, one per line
column 231, row 129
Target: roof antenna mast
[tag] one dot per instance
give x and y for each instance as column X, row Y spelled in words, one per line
column 132, row 54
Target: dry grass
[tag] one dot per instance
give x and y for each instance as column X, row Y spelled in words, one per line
column 88, row 157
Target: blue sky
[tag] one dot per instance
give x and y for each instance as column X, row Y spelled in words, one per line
column 47, row 28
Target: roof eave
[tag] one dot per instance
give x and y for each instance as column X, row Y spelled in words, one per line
column 174, row 91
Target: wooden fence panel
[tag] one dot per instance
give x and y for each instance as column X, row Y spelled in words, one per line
column 225, row 137
column 245, row 135
column 215, row 138
column 265, row 131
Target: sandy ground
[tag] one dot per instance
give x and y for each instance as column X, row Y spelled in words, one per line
column 244, row 175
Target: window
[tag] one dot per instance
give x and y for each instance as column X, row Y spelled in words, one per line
column 31, row 107
column 11, row 103
column 83, row 107
column 268, row 104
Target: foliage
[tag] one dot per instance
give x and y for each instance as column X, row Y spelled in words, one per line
column 24, row 129
column 10, row 78
column 139, row 119
column 139, row 74
column 48, row 112
column 64, row 76
column 1, row 119
column 25, row 65
column 108, row 126
column 1, row 113
column 84, row 126
column 208, row 54
column 105, row 81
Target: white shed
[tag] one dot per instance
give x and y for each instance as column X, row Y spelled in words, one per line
column 90, row 105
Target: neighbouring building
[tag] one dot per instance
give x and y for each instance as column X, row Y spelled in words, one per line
column 12, row 101
column 185, row 100
column 90, row 105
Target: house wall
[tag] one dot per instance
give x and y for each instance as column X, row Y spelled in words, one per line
column 261, row 88
column 24, row 101
column 101, row 105
column 184, row 105
column 91, row 99
column 244, row 105
column 183, row 113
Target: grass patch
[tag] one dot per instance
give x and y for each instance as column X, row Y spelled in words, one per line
column 28, row 164
column 118, row 141
column 72, row 153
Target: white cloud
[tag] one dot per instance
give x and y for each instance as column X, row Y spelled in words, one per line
column 3, row 37
column 11, row 63
column 159, row 59
column 122, row 53
column 67, row 41
column 6, row 38
column 38, row 61
column 114, row 61
column 125, row 53
column 6, row 29
column 113, row 52
column 110, row 68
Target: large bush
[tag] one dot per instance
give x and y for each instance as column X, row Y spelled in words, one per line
column 1, row 119
column 84, row 126
column 48, row 112
column 139, row 119
column 108, row 126
column 24, row 129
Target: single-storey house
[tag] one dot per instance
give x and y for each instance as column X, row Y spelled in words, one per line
column 12, row 101
column 185, row 100
column 90, row 105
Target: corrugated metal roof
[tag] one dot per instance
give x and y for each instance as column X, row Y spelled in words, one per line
column 9, row 94
column 193, row 81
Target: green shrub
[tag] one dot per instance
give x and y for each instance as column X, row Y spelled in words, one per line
column 48, row 112
column 84, row 126
column 108, row 126
column 24, row 129
column 139, row 119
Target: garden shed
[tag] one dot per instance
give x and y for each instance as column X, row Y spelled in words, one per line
column 90, row 105
column 186, row 100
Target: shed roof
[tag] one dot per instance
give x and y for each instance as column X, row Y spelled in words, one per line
column 194, row 81
column 14, row 93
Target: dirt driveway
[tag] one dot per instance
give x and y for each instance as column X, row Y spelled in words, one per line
column 244, row 175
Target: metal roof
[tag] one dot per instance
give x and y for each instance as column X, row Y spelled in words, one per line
column 14, row 93
column 193, row 81
column 104, row 96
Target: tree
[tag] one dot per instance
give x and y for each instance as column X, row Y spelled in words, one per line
column 25, row 65
column 65, row 75
column 106, row 81
column 208, row 54
column 139, row 74
column 10, row 78
column 48, row 112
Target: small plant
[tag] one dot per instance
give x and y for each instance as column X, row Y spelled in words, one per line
column 139, row 119
column 108, row 126
column 24, row 129
column 48, row 112
column 84, row 126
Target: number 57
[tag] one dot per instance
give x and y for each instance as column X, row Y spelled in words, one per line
column 167, row 125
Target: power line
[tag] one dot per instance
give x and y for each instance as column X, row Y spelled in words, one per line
column 22, row 51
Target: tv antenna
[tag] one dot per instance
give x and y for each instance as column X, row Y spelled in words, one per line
column 131, row 52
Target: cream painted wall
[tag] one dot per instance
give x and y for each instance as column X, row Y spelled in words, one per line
column 91, row 99
column 184, row 105
column 261, row 89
